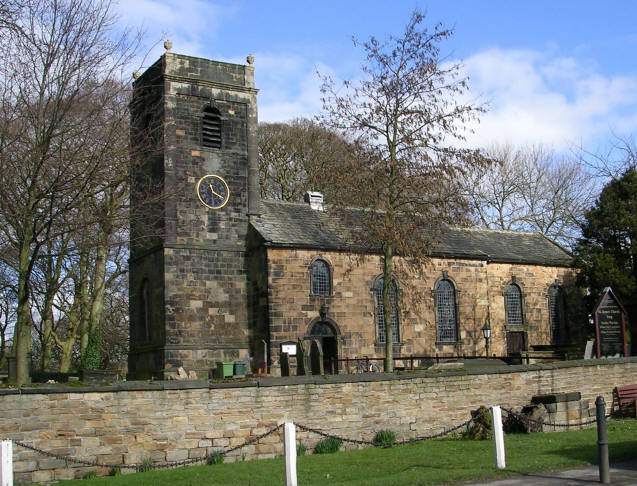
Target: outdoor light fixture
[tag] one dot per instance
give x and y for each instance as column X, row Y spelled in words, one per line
column 323, row 311
column 486, row 332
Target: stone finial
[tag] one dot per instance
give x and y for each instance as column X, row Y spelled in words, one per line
column 135, row 74
column 168, row 45
column 250, row 59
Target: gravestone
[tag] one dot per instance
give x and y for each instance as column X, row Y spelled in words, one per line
column 302, row 365
column 610, row 325
column 316, row 358
column 285, row 364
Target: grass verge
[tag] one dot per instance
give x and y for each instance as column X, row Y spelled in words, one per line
column 425, row 463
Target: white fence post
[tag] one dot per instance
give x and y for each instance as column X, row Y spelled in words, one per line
column 289, row 446
column 6, row 463
column 498, row 437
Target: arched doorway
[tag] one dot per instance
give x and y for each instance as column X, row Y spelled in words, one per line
column 325, row 334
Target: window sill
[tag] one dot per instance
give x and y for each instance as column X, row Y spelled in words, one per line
column 382, row 345
column 518, row 328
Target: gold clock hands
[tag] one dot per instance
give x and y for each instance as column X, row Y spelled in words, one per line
column 215, row 192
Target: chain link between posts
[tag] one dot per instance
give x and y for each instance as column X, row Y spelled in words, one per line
column 402, row 442
column 524, row 418
column 139, row 467
column 254, row 440
column 305, row 428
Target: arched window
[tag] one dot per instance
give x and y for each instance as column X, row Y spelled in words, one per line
column 211, row 128
column 513, row 305
column 446, row 318
column 321, row 282
column 380, row 316
column 145, row 310
column 557, row 314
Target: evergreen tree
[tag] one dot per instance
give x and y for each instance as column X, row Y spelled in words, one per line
column 607, row 251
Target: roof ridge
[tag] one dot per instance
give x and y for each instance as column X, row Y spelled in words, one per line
column 289, row 203
column 499, row 230
column 469, row 228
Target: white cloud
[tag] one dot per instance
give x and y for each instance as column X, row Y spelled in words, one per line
column 537, row 97
column 191, row 26
column 533, row 96
column 288, row 87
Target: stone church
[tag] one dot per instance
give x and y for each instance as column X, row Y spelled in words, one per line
column 217, row 274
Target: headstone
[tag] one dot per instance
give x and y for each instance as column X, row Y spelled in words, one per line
column 610, row 325
column 301, row 359
column 316, row 358
column 588, row 352
column 285, row 364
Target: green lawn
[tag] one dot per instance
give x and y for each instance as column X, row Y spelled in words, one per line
column 430, row 462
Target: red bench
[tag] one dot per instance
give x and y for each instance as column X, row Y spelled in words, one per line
column 625, row 400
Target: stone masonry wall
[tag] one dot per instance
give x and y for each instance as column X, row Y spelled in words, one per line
column 480, row 296
column 199, row 302
column 173, row 421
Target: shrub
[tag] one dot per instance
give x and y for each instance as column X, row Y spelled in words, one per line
column 215, row 457
column 385, row 438
column 328, row 446
column 301, row 449
column 116, row 471
column 146, row 465
column 90, row 475
column 480, row 428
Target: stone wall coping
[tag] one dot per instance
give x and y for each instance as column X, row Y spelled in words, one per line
column 307, row 380
column 557, row 398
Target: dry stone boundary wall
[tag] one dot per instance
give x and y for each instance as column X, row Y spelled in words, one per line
column 172, row 421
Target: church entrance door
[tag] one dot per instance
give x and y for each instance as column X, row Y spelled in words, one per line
column 324, row 333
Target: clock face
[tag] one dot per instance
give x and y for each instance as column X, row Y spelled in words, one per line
column 213, row 192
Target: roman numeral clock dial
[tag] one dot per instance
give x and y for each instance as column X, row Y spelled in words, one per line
column 213, row 191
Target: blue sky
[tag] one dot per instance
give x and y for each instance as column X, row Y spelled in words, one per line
column 560, row 73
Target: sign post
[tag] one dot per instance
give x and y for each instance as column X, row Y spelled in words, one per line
column 610, row 326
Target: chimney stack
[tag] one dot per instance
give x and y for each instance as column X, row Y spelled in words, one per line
column 315, row 199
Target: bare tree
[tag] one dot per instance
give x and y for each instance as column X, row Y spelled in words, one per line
column 294, row 157
column 614, row 161
column 406, row 115
column 531, row 189
column 57, row 68
column 8, row 305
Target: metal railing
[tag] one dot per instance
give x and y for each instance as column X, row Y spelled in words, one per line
column 367, row 363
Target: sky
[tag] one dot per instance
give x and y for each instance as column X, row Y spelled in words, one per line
column 560, row 73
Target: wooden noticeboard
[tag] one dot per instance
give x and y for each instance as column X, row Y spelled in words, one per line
column 610, row 325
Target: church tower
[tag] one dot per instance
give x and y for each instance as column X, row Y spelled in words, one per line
column 194, row 188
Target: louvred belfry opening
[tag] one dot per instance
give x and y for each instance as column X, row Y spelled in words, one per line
column 211, row 128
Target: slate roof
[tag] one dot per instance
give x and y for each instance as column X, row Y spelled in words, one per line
column 296, row 225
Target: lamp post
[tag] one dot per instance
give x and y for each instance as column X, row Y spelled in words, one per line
column 486, row 332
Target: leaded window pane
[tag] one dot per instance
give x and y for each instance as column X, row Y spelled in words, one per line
column 320, row 278
column 555, row 311
column 513, row 305
column 380, row 315
column 445, row 296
